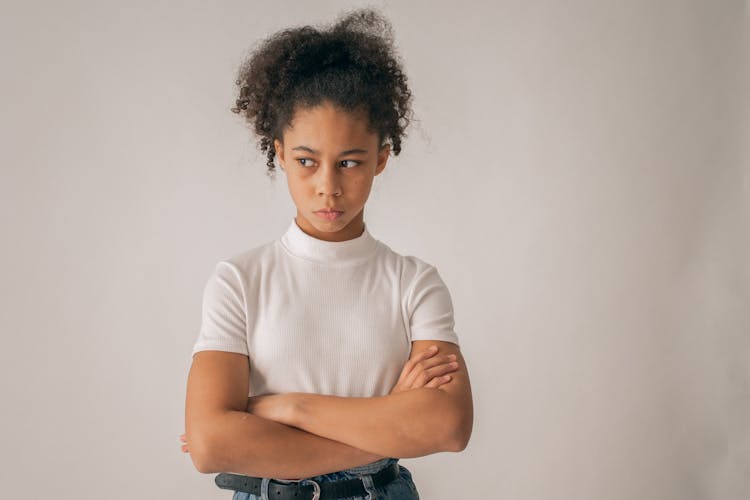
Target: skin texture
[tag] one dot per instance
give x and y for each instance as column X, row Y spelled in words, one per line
column 326, row 178
column 222, row 436
column 425, row 368
column 376, row 424
column 298, row 435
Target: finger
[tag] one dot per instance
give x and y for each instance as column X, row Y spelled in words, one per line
column 425, row 370
column 423, row 355
column 438, row 381
column 427, row 375
column 433, row 383
column 438, row 360
column 442, row 369
column 407, row 373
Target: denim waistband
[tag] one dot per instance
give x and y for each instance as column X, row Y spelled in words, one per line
column 356, row 472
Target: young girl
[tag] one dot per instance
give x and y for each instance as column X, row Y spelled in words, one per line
column 328, row 327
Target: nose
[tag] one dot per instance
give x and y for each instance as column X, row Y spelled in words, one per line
column 328, row 182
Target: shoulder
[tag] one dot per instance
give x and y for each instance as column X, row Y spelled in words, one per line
column 252, row 256
column 248, row 262
column 237, row 272
column 408, row 264
column 415, row 273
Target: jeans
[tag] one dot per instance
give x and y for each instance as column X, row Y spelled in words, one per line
column 401, row 488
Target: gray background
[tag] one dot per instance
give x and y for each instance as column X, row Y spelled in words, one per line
column 578, row 174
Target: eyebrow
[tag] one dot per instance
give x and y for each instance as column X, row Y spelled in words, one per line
column 343, row 153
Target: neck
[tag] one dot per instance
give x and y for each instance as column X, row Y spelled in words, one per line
column 352, row 230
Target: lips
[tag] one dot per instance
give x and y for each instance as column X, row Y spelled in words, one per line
column 329, row 214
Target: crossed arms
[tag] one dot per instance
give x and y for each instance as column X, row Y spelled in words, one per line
column 298, row 435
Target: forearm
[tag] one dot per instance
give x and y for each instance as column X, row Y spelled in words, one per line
column 409, row 424
column 247, row 444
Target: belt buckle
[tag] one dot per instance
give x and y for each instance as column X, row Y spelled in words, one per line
column 316, row 488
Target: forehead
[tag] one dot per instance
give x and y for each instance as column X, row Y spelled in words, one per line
column 327, row 123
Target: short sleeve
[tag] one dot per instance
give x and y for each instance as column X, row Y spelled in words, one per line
column 430, row 307
column 223, row 318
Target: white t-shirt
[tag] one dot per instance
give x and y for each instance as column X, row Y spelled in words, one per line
column 324, row 317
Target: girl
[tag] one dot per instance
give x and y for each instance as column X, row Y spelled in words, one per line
column 328, row 327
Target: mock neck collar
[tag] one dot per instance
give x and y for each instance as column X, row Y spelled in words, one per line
column 333, row 253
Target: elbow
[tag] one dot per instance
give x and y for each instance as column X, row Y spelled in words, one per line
column 207, row 442
column 446, row 427
column 460, row 433
column 460, row 442
column 202, row 453
column 455, row 424
column 203, row 464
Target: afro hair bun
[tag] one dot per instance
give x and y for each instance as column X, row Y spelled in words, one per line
column 351, row 63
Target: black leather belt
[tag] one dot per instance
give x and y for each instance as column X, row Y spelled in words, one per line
column 306, row 491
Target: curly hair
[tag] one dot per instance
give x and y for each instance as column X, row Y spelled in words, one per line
column 351, row 63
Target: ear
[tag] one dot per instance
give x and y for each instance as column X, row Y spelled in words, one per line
column 279, row 148
column 383, row 155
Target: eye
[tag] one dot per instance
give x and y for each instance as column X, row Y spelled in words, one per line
column 353, row 161
column 301, row 160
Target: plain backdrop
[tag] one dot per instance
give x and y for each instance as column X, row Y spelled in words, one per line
column 578, row 173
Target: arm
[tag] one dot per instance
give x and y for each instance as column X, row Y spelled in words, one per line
column 458, row 390
column 431, row 317
column 223, row 437
column 255, row 446
column 408, row 424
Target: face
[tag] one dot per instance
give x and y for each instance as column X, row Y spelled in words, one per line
column 330, row 160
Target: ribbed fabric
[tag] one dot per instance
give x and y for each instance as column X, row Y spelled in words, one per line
column 324, row 317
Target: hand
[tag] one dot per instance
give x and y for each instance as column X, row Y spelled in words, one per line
column 277, row 407
column 425, row 370
column 183, row 438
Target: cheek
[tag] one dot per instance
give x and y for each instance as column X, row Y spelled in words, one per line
column 296, row 188
column 302, row 188
column 364, row 183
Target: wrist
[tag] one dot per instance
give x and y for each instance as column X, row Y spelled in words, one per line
column 294, row 408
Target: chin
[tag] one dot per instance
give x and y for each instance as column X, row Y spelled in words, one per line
column 327, row 226
column 332, row 226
